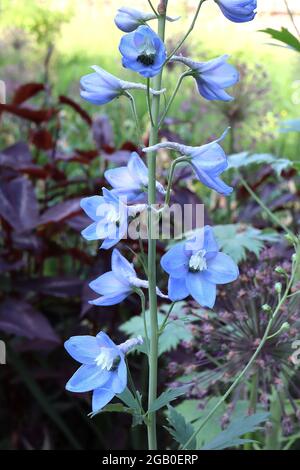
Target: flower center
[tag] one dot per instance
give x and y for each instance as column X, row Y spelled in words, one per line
column 198, row 262
column 113, row 216
column 107, row 359
column 147, row 53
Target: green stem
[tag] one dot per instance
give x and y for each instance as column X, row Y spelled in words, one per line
column 170, row 102
column 152, row 8
column 170, row 179
column 135, row 116
column 188, row 32
column 149, row 102
column 164, row 323
column 252, row 360
column 151, row 160
column 272, row 216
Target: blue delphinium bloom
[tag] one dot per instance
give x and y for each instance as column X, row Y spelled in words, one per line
column 196, row 266
column 129, row 19
column 238, row 11
column 101, row 87
column 208, row 162
column 131, row 181
column 117, row 284
column 103, row 369
column 143, row 51
column 212, row 77
column 110, row 216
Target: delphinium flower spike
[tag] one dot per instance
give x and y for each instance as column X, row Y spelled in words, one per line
column 208, row 162
column 103, row 369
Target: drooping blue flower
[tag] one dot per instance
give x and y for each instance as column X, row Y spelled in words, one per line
column 103, row 369
column 129, row 19
column 101, row 87
column 115, row 285
column 131, row 181
column 196, row 266
column 110, row 216
column 143, row 51
column 212, row 77
column 208, row 162
column 238, row 11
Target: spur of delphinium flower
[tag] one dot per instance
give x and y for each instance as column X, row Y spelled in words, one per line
column 110, row 215
column 101, row 87
column 212, row 77
column 239, row 11
column 195, row 267
column 143, row 51
column 117, row 284
column 131, row 181
column 103, row 369
column 208, row 162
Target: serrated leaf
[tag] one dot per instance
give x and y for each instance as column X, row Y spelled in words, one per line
column 244, row 159
column 179, row 429
column 236, row 239
column 174, row 332
column 133, row 405
column 231, row 436
column 112, row 408
column 166, row 397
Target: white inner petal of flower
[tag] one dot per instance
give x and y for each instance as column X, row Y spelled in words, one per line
column 106, row 358
column 113, row 216
column 198, row 262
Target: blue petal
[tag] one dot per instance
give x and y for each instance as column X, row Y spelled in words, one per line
column 203, row 291
column 121, row 179
column 119, row 381
column 90, row 206
column 104, row 341
column 107, row 300
column 138, row 169
column 87, row 378
column 108, row 284
column 90, row 232
column 175, row 261
column 101, row 396
column 177, row 289
column 210, row 243
column 121, row 268
column 221, row 269
column 83, row 349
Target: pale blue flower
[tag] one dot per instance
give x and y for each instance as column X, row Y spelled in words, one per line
column 103, row 369
column 238, row 11
column 212, row 77
column 208, row 162
column 143, row 51
column 101, row 87
column 131, row 181
column 196, row 266
column 129, row 19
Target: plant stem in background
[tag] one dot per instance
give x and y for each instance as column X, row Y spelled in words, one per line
column 253, row 358
column 151, row 159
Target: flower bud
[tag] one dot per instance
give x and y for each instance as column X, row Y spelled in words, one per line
column 266, row 308
column 278, row 287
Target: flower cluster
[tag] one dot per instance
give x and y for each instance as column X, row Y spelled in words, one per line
column 195, row 266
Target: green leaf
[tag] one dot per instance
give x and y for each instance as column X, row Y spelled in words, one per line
column 134, row 405
column 284, row 36
column 166, row 397
column 244, row 159
column 236, row 239
column 174, row 332
column 112, row 407
column 231, row 436
column 179, row 429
